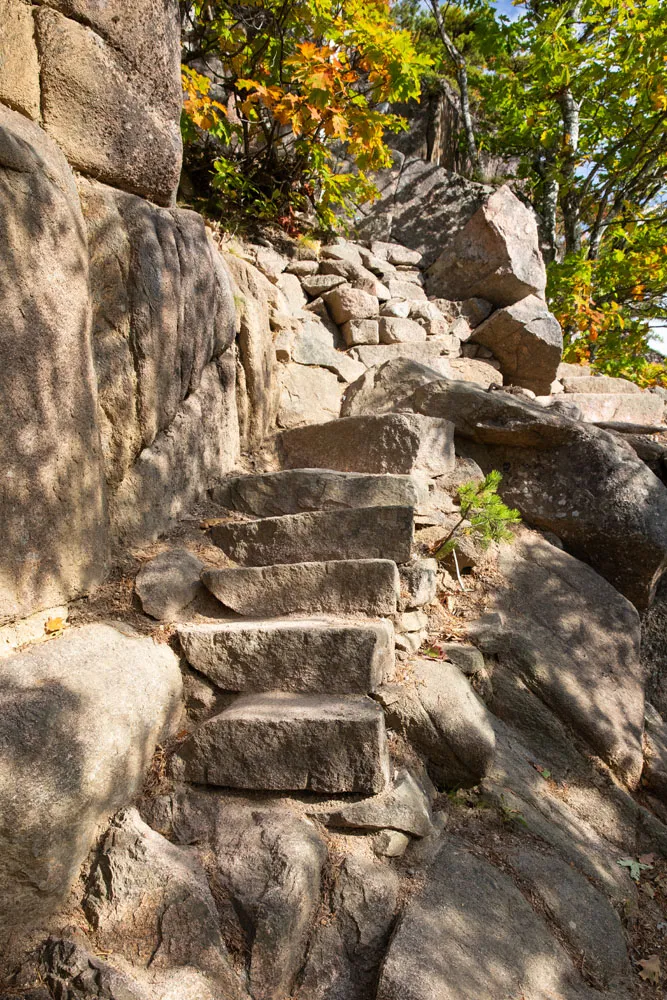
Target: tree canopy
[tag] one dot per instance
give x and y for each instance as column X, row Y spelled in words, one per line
column 571, row 95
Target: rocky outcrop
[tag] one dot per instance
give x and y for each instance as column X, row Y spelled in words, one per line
column 584, row 484
column 495, row 256
column 575, row 642
column 81, row 715
column 527, row 341
column 53, row 505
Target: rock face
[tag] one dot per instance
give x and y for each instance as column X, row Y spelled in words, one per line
column 81, row 716
column 496, row 256
column 292, row 654
column 430, row 957
column 626, row 407
column 53, row 505
column 111, row 93
column 575, row 642
column 295, row 490
column 404, row 806
column 527, row 341
column 19, row 84
column 162, row 311
column 357, row 533
column 441, row 714
column 293, row 742
column 393, row 442
column 151, row 899
column 341, row 587
column 582, row 483
column 383, row 387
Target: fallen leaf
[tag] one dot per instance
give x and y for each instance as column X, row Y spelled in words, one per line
column 52, row 625
column 650, row 969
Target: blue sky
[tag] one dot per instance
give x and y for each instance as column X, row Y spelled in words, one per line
column 506, row 7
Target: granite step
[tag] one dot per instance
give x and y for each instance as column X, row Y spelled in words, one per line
column 330, row 655
column 370, row 586
column 280, row 741
column 323, row 535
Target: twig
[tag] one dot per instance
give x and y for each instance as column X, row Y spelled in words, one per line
column 458, row 574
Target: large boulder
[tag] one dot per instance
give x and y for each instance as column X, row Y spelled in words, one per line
column 19, row 81
column 471, row 933
column 574, row 641
column 438, row 712
column 150, row 901
column 527, row 341
column 257, row 393
column 81, row 716
column 496, row 256
column 382, row 388
column 53, row 506
column 585, row 484
column 420, row 205
column 111, row 91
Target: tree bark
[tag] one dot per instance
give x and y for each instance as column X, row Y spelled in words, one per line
column 569, row 197
column 462, row 80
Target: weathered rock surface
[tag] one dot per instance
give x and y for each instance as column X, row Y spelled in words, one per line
column 307, row 395
column 200, row 445
column 467, row 900
column 432, row 353
column 292, row 654
column 496, row 256
column 257, row 387
column 630, row 408
column 71, row 971
column 419, row 581
column 309, row 349
column 584, row 917
column 355, row 533
column 53, row 507
column 292, row 742
column 369, row 585
column 19, row 83
column 574, row 640
column 81, row 715
column 385, row 387
column 162, row 311
column 361, row 331
column 392, row 442
column 168, row 583
column 150, row 899
column 584, row 484
column 439, row 713
column 349, row 943
column 404, row 806
column 110, row 92
column 294, row 490
column 527, row 341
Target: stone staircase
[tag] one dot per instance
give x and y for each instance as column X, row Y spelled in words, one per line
column 317, row 586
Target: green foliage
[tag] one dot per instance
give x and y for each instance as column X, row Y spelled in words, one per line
column 296, row 80
column 634, row 866
column 574, row 92
column 488, row 518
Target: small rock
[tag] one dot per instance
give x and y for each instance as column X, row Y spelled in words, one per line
column 391, row 843
column 348, row 303
column 303, row 268
column 419, row 581
column 318, row 284
column 400, row 289
column 168, row 583
column 361, row 331
column 395, row 253
column 400, row 308
column 399, row 331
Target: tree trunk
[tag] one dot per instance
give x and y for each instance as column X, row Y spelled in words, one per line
column 462, row 80
column 569, row 197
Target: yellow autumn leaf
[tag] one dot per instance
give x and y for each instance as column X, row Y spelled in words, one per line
column 52, row 625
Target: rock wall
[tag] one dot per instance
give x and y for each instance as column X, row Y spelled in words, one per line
column 117, row 336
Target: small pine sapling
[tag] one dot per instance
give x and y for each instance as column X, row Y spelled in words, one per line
column 487, row 517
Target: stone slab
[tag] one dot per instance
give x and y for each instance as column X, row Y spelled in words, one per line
column 293, row 490
column 286, row 742
column 292, row 654
column 390, row 442
column 355, row 533
column 368, row 585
